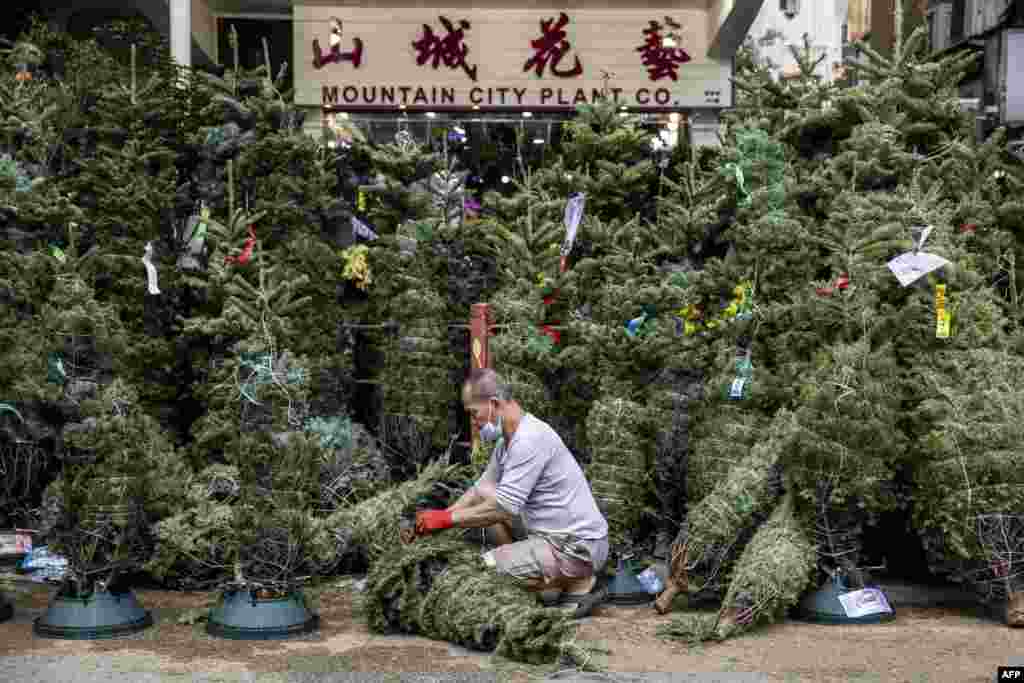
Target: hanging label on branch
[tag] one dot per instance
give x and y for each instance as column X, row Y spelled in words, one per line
column 361, row 229
column 740, row 182
column 361, row 201
column 573, row 216
column 6, row 407
column 55, row 372
column 199, row 231
column 913, row 265
column 58, row 253
column 147, row 257
column 942, row 316
column 744, row 372
column 246, row 254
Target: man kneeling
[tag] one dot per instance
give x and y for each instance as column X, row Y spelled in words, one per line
column 533, row 500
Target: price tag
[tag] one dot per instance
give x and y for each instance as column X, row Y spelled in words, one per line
column 736, row 391
column 912, row 266
column 942, row 317
column 571, row 219
column 360, row 229
column 864, row 602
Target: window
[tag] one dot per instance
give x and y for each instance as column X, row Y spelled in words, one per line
column 790, row 7
column 846, row 33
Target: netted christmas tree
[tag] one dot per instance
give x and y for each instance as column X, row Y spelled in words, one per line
column 75, row 344
column 118, row 474
column 559, row 237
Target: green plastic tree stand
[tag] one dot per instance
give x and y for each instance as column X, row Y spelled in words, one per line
column 240, row 615
column 101, row 615
column 625, row 588
column 823, row 606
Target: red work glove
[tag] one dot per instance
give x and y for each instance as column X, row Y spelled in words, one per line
column 429, row 521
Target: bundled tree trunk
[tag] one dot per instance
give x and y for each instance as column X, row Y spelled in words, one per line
column 371, row 528
column 770, row 575
column 440, row 588
column 717, row 524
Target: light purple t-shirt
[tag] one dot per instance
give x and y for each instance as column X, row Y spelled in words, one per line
column 537, row 478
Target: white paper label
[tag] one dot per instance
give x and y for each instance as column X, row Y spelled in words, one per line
column 864, row 602
column 737, row 387
column 573, row 216
column 150, row 269
column 912, row 266
column 921, row 237
column 360, row 229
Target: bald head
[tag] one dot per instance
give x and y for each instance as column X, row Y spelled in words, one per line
column 483, row 384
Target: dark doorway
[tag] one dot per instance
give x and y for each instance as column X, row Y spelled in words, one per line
column 251, row 33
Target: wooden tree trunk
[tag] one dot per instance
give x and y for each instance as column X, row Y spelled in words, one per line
column 1015, row 609
column 676, row 582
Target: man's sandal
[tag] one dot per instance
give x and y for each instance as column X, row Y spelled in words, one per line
column 552, row 598
column 580, row 605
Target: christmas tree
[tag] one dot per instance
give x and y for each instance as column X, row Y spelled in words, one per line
column 829, row 184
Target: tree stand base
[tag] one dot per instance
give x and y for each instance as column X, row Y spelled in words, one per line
column 240, row 615
column 626, row 589
column 95, row 617
column 823, row 607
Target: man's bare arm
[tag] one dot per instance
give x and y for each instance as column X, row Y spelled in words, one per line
column 468, row 499
column 485, row 513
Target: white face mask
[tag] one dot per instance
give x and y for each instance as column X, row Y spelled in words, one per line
column 490, row 432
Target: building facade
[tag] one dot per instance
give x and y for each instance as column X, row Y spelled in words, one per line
column 382, row 64
column 995, row 30
column 386, row 64
column 782, row 24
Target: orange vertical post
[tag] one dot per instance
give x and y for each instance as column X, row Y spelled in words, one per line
column 479, row 352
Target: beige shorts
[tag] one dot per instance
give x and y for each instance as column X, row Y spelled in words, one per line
column 533, row 557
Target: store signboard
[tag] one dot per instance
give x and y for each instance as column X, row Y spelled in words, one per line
column 539, row 59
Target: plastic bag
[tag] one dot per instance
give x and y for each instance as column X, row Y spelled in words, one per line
column 650, row 580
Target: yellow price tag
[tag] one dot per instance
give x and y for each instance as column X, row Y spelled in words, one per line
column 942, row 317
column 361, row 201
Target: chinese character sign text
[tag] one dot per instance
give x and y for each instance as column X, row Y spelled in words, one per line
column 549, row 49
column 661, row 59
column 449, row 49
